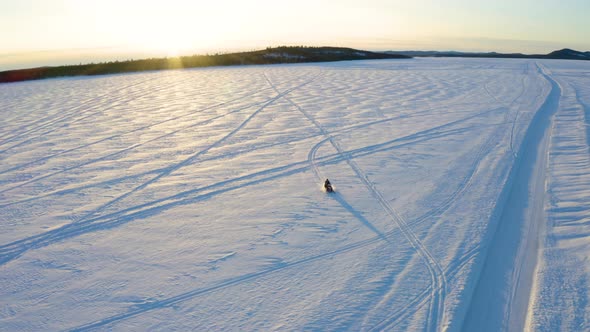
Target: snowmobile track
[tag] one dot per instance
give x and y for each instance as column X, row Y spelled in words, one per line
column 87, row 224
column 70, row 114
column 437, row 276
column 526, row 174
column 51, row 119
column 226, row 103
column 13, row 250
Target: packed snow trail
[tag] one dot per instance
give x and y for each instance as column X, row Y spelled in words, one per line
column 560, row 292
column 500, row 300
column 190, row 199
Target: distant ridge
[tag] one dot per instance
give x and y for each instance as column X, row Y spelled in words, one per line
column 570, row 54
column 276, row 55
column 564, row 54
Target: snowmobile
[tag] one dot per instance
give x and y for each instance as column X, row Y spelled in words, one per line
column 328, row 186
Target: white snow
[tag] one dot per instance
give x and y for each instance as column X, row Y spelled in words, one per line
column 192, row 199
column 563, row 277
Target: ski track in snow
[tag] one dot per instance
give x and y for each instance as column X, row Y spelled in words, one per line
column 213, row 195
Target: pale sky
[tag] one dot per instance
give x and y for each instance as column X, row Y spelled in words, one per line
column 51, row 32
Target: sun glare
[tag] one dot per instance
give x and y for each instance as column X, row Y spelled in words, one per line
column 169, row 44
column 182, row 27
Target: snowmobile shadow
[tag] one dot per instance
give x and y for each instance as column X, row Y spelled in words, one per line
column 358, row 215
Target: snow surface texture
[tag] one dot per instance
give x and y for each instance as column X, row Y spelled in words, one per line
column 192, row 199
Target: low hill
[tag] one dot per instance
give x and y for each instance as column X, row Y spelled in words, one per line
column 565, row 54
column 570, row 54
column 284, row 54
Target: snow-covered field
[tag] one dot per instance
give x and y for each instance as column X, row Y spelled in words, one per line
column 192, row 199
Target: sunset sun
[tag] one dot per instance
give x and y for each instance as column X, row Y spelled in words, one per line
column 170, row 46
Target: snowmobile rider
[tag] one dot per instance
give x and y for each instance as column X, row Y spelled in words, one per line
column 328, row 186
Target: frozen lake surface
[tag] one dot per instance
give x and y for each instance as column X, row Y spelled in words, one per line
column 192, row 199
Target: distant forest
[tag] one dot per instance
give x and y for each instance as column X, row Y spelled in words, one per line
column 283, row 54
column 563, row 54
